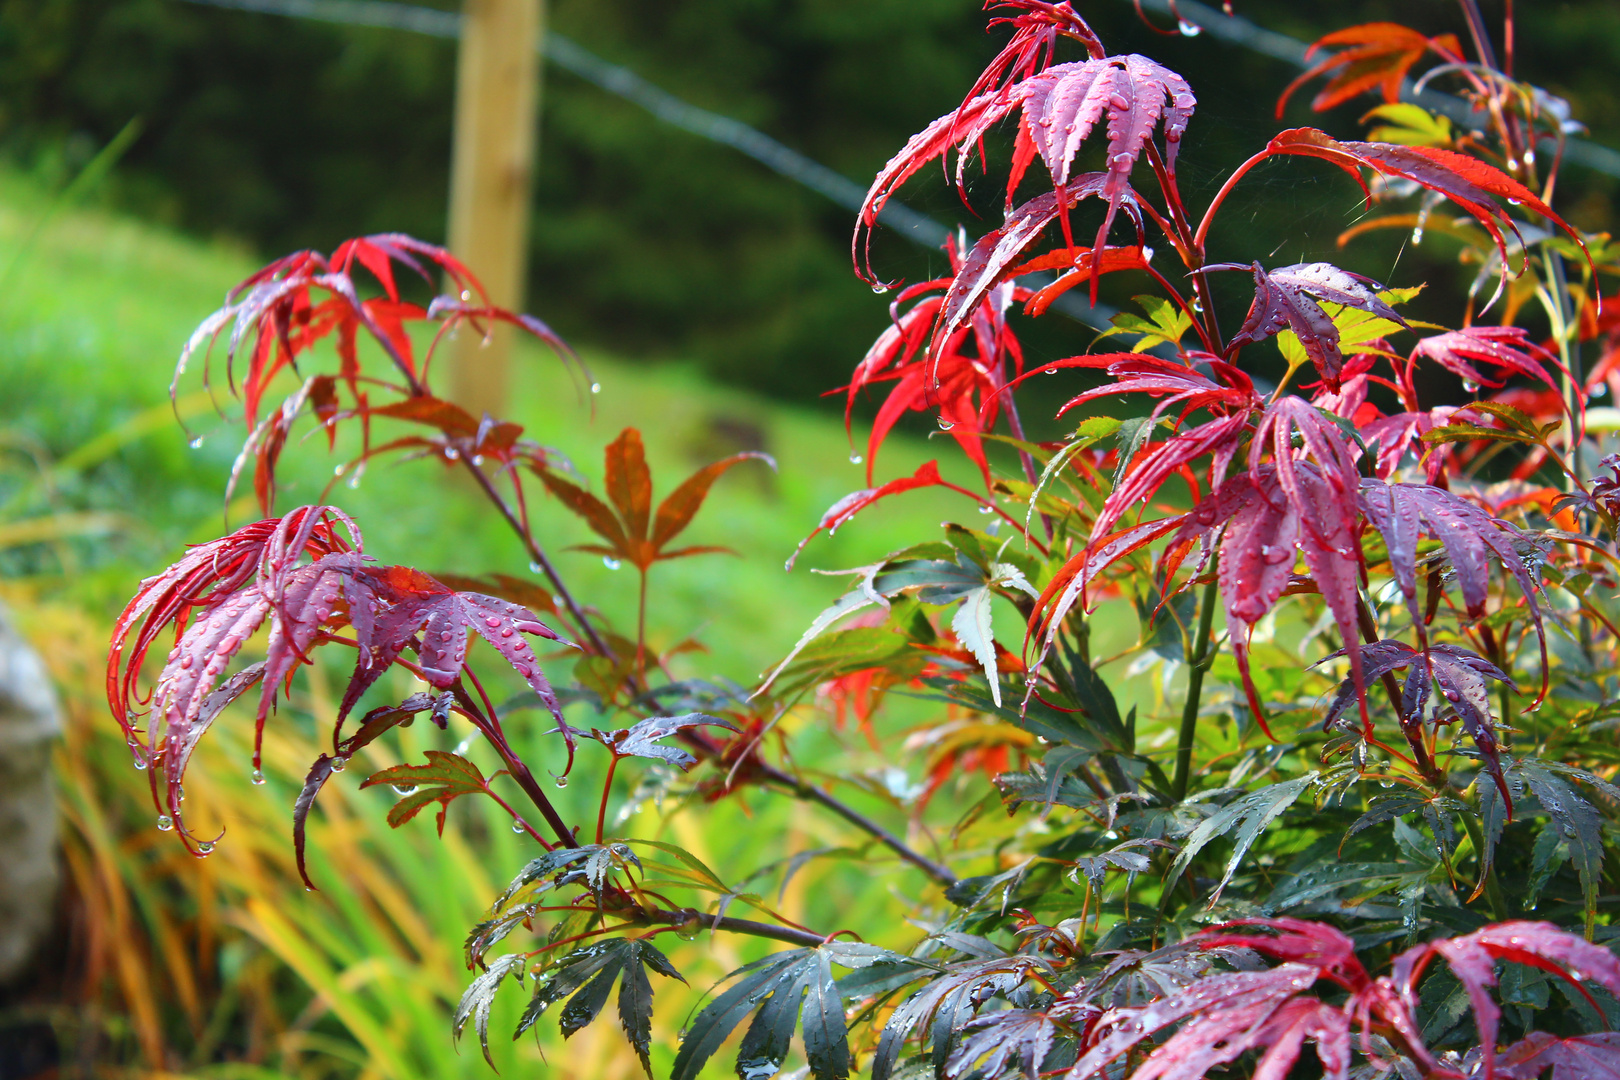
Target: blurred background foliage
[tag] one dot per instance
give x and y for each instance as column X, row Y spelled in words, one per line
column 649, row 242
column 714, row 301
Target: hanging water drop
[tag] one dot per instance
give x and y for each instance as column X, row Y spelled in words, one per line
column 165, row 823
column 196, row 443
column 596, row 388
column 880, row 289
column 1417, row 236
column 1471, row 386
column 987, row 509
column 610, row 562
column 1147, row 254
column 1600, row 389
column 788, row 565
column 451, row 453
column 339, row 764
column 403, row 789
column 140, row 764
column 945, row 425
column 1051, row 371
column 535, row 568
column 1189, row 29
column 204, row 847
column 258, row 776
column 478, row 459
column 562, row 781
column 338, row 469
column 466, row 295
column 855, row 459
column 518, row 826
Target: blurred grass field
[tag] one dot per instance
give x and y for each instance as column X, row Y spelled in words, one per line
column 226, row 967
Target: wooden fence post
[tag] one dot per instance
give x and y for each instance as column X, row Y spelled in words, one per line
column 491, row 175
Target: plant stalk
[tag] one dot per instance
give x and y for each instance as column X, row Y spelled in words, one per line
column 1195, row 684
column 937, row 871
column 694, row 918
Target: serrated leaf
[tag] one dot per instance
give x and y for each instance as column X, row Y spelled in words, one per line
column 643, row 739
column 480, row 995
column 1244, row 819
column 445, row 778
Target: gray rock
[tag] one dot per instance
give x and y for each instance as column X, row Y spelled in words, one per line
column 30, row 872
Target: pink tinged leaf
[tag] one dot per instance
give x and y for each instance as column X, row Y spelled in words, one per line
column 997, row 252
column 1063, row 104
column 1324, row 1025
column 1217, row 437
column 1181, row 385
column 1244, row 997
column 1580, row 1057
column 964, row 125
column 1290, row 296
column 1506, row 347
column 1470, row 536
column 197, row 663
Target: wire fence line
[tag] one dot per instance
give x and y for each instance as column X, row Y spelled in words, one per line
column 784, row 160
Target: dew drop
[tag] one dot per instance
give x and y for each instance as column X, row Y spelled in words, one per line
column 1189, row 29
column 562, row 781
column 339, row 764
column 196, row 443
column 1417, row 236
column 1471, row 386
column 987, row 509
column 880, row 289
column 258, row 776
column 788, row 565
column 403, row 789
column 610, row 562
column 478, row 459
column 855, row 459
column 1051, row 371
column 596, row 388
column 1147, row 254
column 519, row 827
column 535, row 568
column 945, row 425
column 140, row 764
column 466, row 295
column 1600, row 389
column 451, row 453
column 165, row 823
column 204, row 847
column 337, row 470
column 1513, row 202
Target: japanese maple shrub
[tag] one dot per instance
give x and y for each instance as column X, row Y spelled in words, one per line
column 1370, row 808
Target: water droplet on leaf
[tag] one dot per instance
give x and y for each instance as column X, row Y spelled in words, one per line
column 165, row 822
column 339, row 764
column 855, row 459
column 258, row 776
column 204, row 847
column 562, row 781
column 1189, row 29
column 519, row 827
column 403, row 789
column 451, row 453
column 596, row 388
column 535, row 568
column 610, row 562
column 478, row 459
column 196, row 444
column 1051, row 371
column 945, row 425
column 987, row 509
column 466, row 295
column 1471, row 386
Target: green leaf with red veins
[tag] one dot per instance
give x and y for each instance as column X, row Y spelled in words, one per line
column 445, row 778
